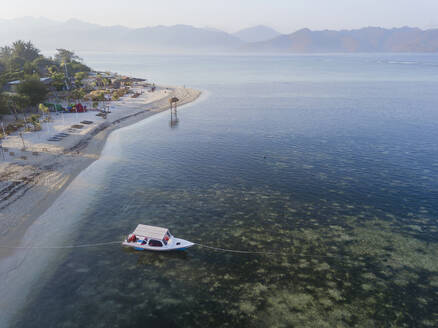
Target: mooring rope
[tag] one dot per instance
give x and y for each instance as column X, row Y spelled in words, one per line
column 284, row 252
column 235, row 250
column 60, row 247
column 218, row 249
column 118, row 242
column 200, row 245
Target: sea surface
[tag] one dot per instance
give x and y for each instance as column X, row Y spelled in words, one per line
column 328, row 162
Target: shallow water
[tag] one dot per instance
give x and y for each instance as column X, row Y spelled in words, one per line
column 330, row 161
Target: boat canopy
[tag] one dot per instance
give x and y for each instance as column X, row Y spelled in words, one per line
column 150, row 231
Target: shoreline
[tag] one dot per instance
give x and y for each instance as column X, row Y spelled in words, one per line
column 32, row 188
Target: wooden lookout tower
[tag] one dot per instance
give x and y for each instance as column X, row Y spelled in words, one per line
column 173, row 103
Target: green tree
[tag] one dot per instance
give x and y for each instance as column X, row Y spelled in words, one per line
column 75, row 67
column 58, row 78
column 41, row 65
column 16, row 64
column 79, row 77
column 34, row 89
column 25, row 50
column 102, row 81
column 16, row 103
column 115, row 96
column 21, row 103
column 5, row 57
column 5, row 53
column 45, row 110
column 3, row 104
column 28, row 69
column 106, row 82
column 64, row 56
column 19, row 56
column 8, row 103
column 78, row 94
column 35, row 121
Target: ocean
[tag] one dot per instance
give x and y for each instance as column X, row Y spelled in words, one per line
column 329, row 162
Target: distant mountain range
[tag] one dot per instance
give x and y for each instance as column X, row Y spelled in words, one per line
column 82, row 36
column 258, row 33
column 79, row 35
column 370, row 39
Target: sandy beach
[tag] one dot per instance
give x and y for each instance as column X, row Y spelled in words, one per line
column 33, row 176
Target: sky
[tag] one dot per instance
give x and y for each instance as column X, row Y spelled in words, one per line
column 231, row 15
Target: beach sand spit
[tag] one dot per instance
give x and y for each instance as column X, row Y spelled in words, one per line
column 32, row 178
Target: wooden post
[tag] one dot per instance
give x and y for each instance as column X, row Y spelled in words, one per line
column 4, row 132
column 22, row 140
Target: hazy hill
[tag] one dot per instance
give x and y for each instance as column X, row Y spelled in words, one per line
column 78, row 35
column 81, row 36
column 257, row 34
column 370, row 39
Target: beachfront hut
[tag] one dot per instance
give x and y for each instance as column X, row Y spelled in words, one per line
column 116, row 84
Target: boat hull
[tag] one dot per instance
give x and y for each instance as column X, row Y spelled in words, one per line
column 176, row 245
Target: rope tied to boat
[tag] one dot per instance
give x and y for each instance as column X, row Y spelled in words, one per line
column 118, row 242
column 218, row 249
column 61, row 247
column 235, row 251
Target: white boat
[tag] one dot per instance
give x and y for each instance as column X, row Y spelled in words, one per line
column 152, row 238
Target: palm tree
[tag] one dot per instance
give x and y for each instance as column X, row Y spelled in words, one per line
column 25, row 50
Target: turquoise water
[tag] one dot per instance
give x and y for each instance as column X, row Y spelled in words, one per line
column 331, row 161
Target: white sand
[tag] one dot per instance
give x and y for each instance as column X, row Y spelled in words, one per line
column 31, row 179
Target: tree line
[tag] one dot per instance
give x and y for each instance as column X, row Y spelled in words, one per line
column 25, row 63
